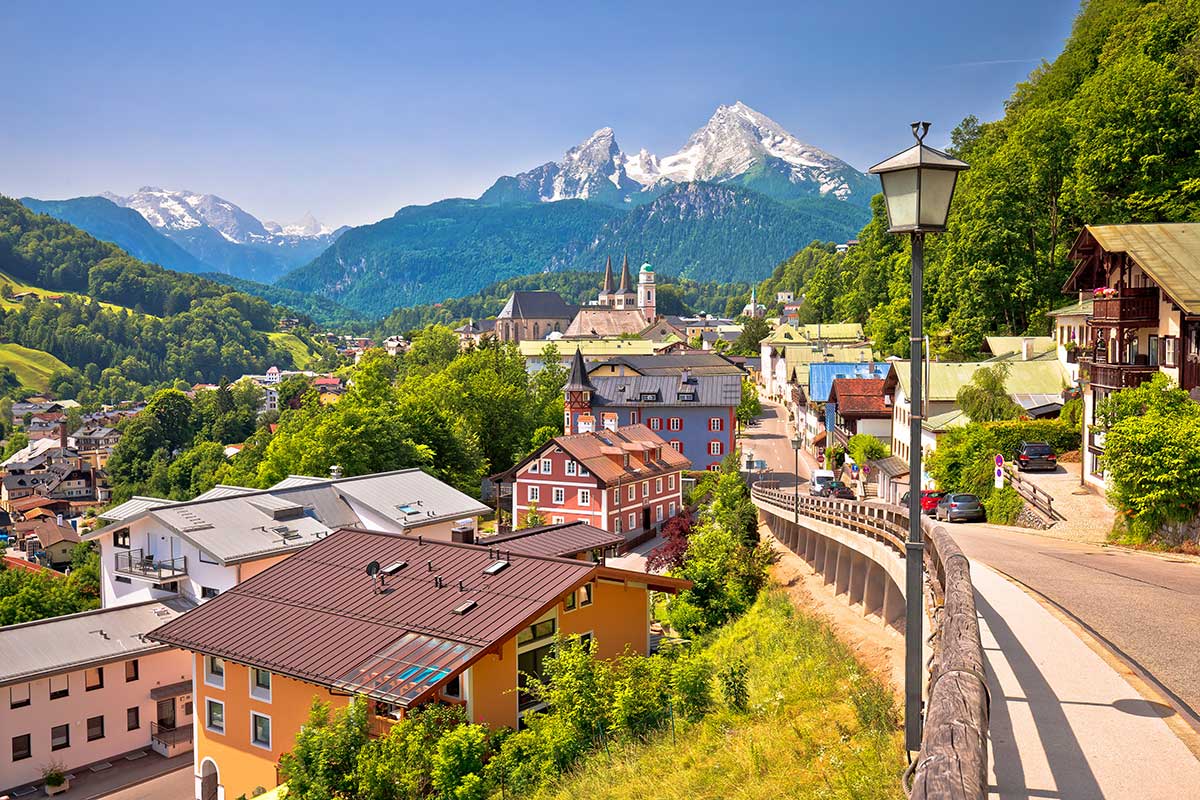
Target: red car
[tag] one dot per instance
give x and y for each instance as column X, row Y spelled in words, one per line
column 929, row 500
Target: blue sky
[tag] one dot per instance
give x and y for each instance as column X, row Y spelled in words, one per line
column 352, row 110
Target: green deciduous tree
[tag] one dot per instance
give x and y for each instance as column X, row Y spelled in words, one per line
column 986, row 398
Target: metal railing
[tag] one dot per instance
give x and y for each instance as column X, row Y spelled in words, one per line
column 169, row 736
column 1033, row 494
column 144, row 565
column 952, row 762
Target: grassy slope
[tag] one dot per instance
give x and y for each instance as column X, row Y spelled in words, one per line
column 302, row 354
column 807, row 733
column 32, row 367
column 14, row 286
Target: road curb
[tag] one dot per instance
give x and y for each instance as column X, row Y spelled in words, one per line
column 1184, row 723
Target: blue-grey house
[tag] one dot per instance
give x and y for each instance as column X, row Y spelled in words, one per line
column 814, row 413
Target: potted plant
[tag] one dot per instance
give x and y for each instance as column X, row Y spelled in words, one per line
column 55, row 778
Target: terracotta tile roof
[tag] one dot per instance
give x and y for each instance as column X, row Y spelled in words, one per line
column 602, row 452
column 860, row 397
column 317, row 615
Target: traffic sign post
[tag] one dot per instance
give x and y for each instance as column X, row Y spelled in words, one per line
column 999, row 471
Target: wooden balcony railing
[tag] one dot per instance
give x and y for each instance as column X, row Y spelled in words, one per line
column 1120, row 376
column 1134, row 305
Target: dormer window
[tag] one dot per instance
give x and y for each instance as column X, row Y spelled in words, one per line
column 649, row 397
column 687, row 396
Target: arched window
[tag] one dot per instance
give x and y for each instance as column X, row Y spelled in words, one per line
column 536, row 335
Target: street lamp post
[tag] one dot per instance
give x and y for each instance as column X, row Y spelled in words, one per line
column 797, row 442
column 918, row 185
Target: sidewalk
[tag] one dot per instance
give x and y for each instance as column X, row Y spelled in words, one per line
column 1064, row 723
column 123, row 774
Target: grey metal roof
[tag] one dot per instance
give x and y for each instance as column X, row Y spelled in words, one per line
column 674, row 363
column 247, row 525
column 537, row 305
column 221, row 490
column 298, row 480
column 132, row 507
column 711, row 390
column 75, row 641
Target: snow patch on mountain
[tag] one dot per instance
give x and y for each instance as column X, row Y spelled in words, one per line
column 187, row 210
column 737, row 144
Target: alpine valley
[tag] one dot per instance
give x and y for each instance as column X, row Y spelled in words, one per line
column 741, row 195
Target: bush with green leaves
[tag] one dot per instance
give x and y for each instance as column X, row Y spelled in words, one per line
column 693, row 679
column 735, row 690
column 1003, row 506
column 457, row 768
column 864, row 447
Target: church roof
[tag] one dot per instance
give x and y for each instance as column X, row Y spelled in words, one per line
column 595, row 322
column 578, row 379
column 536, row 305
column 607, row 287
column 626, row 286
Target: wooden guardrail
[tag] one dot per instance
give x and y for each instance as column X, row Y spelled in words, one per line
column 952, row 762
column 1033, row 494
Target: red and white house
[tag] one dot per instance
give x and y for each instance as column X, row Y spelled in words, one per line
column 627, row 480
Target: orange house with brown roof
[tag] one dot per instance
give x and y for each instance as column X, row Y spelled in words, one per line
column 400, row 620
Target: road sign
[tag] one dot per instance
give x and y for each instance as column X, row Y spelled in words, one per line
column 999, row 460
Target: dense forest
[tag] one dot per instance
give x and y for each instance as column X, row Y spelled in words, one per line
column 173, row 326
column 1108, row 133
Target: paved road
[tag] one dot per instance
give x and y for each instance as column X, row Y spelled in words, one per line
column 176, row 785
column 769, row 441
column 1145, row 605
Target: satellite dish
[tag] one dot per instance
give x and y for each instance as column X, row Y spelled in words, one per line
column 373, row 568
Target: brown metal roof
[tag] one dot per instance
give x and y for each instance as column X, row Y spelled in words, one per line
column 566, row 539
column 316, row 616
column 591, row 450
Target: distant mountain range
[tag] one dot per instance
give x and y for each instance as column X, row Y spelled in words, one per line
column 741, row 195
column 193, row 232
column 737, row 145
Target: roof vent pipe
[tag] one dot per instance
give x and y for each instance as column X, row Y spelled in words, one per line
column 429, row 566
column 335, row 471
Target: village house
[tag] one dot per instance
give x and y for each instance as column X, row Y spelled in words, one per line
column 45, row 539
column 153, row 548
column 696, row 414
column 1145, row 320
column 1070, row 332
column 627, row 481
column 88, row 688
column 94, row 443
column 473, row 332
column 861, row 405
column 437, row 622
column 813, row 415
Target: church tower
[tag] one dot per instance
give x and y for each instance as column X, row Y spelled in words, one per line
column 606, row 289
column 625, row 296
column 577, row 396
column 646, row 302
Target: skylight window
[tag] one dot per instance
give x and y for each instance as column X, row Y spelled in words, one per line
column 465, row 607
column 496, row 567
column 394, row 567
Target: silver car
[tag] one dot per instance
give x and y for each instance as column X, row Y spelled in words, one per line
column 960, row 508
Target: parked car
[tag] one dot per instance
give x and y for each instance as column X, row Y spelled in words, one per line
column 1036, row 455
column 929, row 500
column 839, row 490
column 820, row 478
column 960, row 508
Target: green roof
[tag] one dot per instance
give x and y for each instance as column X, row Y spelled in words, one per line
column 784, row 334
column 833, row 331
column 943, row 422
column 592, row 348
column 1075, row 309
column 1024, row 377
column 999, row 345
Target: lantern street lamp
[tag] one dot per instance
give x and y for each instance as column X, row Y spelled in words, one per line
column 918, row 185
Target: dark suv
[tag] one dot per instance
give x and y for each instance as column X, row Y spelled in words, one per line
column 1036, row 455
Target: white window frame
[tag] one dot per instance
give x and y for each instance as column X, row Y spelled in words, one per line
column 270, row 730
column 676, row 445
column 547, row 466
column 557, row 520
column 535, row 494
column 671, row 482
column 533, row 467
column 15, row 698
column 212, row 677
column 205, row 558
column 632, row 521
column 558, row 496
column 714, row 448
column 256, row 691
column 655, row 423
column 583, row 471
column 572, row 468
column 658, row 513
column 675, row 423
column 658, row 485
column 585, row 497
column 671, row 509
column 716, row 424
column 632, row 493
column 208, row 706
column 645, row 488
column 66, row 681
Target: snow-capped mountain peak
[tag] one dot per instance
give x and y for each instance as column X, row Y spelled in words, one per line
column 185, row 210
column 737, row 144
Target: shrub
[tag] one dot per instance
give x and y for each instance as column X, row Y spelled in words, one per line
column 641, row 695
column 457, row 765
column 874, row 704
column 574, row 685
column 522, row 764
column 864, row 447
column 735, row 690
column 692, row 678
column 1003, row 506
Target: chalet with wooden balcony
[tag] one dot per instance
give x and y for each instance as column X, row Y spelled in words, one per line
column 1145, row 315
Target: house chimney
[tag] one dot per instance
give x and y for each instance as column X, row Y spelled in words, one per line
column 1027, row 348
column 685, row 376
column 62, row 435
column 335, row 471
